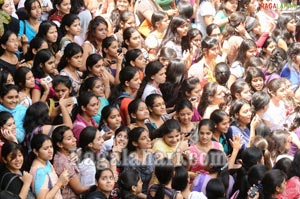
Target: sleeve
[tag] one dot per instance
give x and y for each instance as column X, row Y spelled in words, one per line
column 77, row 128
column 286, row 72
column 19, row 120
column 206, row 9
column 151, row 41
column 21, row 30
column 40, row 180
column 236, row 70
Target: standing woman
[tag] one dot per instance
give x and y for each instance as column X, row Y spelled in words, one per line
column 200, row 149
column 8, row 49
column 9, row 98
column 157, row 109
column 96, row 32
column 126, row 91
column 64, row 143
column 136, row 58
column 204, row 69
column 212, row 97
column 46, row 183
column 70, row 28
column 140, row 157
column 25, row 80
column 222, row 121
column 247, row 50
column 178, row 28
column 61, row 8
column 70, row 63
column 275, row 116
column 48, row 31
column 13, row 160
column 113, row 57
column 155, row 75
column 43, row 68
column 284, row 33
column 88, row 107
column 30, row 24
column 132, row 39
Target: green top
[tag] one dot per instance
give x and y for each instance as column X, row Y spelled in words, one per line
column 164, row 4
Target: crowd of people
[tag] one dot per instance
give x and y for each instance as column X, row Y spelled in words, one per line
column 157, row 99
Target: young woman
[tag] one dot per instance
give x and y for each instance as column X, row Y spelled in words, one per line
column 241, row 112
column 223, row 15
column 212, row 97
column 29, row 25
column 64, row 145
column 284, row 33
column 37, row 119
column 48, row 31
column 132, row 39
column 199, row 150
column 137, row 59
column 255, row 79
column 70, row 64
column 36, row 44
column 13, row 160
column 70, row 28
column 267, row 48
column 61, row 8
column 138, row 112
column 105, row 184
column 217, row 168
column 274, row 183
column 204, row 69
column 222, row 121
column 178, row 28
column 6, row 78
column 291, row 68
column 88, row 105
column 8, row 49
column 25, row 80
column 113, row 57
column 7, row 128
column 170, row 145
column 157, row 109
column 140, row 156
column 175, row 75
column 127, row 90
column 43, row 70
column 164, row 173
column 110, row 122
column 100, row 89
column 192, row 43
column 91, row 142
column 160, row 22
column 240, row 89
column 155, row 75
column 191, row 89
column 63, row 90
column 96, row 32
column 126, row 20
column 246, row 51
column 46, row 183
column 184, row 114
column 275, row 116
column 130, row 184
column 9, row 97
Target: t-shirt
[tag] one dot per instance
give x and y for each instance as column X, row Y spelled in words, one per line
column 205, row 9
column 141, row 6
column 276, row 115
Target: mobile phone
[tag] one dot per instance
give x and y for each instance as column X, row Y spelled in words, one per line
column 194, row 98
column 105, row 128
column 253, row 191
column 48, row 79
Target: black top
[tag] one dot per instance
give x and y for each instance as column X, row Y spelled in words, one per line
column 95, row 194
column 15, row 186
column 13, row 25
column 8, row 66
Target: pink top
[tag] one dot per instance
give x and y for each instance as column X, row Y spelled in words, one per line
column 292, row 189
column 79, row 124
column 198, row 162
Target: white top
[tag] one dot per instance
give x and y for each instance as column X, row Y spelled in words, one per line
column 150, row 89
column 196, row 195
column 276, row 115
column 205, row 9
column 87, row 170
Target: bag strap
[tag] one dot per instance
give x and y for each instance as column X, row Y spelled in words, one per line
column 9, row 182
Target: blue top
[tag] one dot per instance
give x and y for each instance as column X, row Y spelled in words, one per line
column 292, row 74
column 29, row 32
column 19, row 114
column 103, row 103
column 245, row 134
